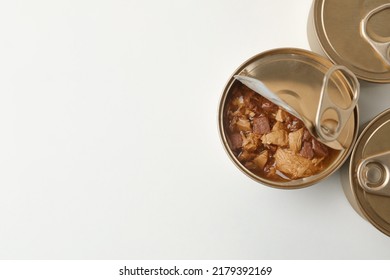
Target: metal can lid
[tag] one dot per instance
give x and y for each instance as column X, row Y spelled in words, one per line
column 300, row 78
column 369, row 172
column 356, row 34
column 323, row 126
column 297, row 77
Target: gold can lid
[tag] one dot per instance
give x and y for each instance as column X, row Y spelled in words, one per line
column 297, row 77
column 356, row 34
column 369, row 172
column 302, row 80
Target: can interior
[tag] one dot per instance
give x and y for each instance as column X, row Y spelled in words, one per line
column 296, row 76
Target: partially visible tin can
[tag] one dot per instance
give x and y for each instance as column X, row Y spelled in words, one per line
column 297, row 77
column 354, row 34
column 366, row 181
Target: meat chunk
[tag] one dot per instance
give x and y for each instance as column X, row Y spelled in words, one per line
column 235, row 141
column 250, row 165
column 250, row 141
column 271, row 172
column 306, row 135
column 295, row 140
column 252, row 100
column 307, row 150
column 261, row 125
column 243, row 124
column 317, row 161
column 250, row 114
column 246, row 156
column 269, row 141
column 238, row 101
column 278, row 126
column 281, row 115
column 319, row 149
column 272, row 148
column 268, row 106
column 261, row 159
column 294, row 165
column 278, row 138
column 294, row 124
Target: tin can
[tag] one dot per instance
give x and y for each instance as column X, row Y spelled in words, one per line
column 300, row 78
column 354, row 34
column 366, row 181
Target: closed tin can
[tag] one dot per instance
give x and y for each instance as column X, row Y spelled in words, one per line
column 366, row 181
column 273, row 147
column 353, row 33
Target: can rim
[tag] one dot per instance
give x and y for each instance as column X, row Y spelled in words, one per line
column 322, row 39
column 351, row 173
column 223, row 138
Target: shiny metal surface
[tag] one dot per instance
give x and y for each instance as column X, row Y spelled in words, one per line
column 366, row 182
column 382, row 48
column 373, row 174
column 297, row 76
column 326, row 133
column 356, row 34
column 325, row 129
column 260, row 88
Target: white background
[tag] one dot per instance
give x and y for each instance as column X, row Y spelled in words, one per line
column 109, row 147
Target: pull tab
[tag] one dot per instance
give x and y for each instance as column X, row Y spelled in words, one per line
column 373, row 174
column 323, row 130
column 383, row 49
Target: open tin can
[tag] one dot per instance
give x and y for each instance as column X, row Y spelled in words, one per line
column 304, row 145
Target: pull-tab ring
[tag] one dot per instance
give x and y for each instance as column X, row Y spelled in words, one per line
column 373, row 174
column 382, row 48
column 324, row 132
